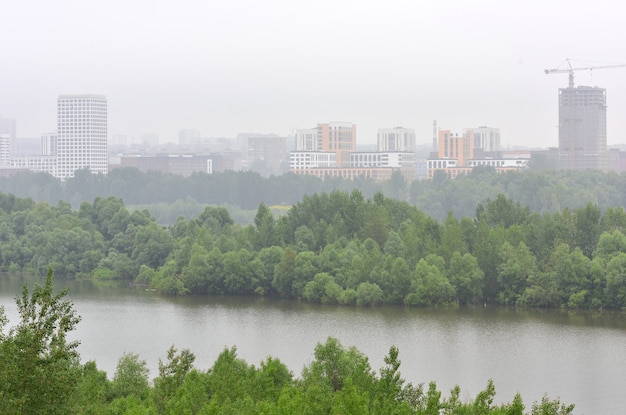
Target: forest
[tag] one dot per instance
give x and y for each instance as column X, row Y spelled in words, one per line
column 41, row 373
column 169, row 196
column 335, row 248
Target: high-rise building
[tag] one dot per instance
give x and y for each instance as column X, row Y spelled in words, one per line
column 338, row 137
column 396, row 139
column 455, row 146
column 486, row 139
column 82, row 134
column 582, row 128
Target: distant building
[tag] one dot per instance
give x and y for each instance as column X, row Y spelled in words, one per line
column 189, row 137
column 582, row 128
column 266, row 153
column 396, row 139
column 7, row 127
column 82, row 134
column 452, row 169
column 305, row 160
column 486, row 139
column 306, row 140
column 5, row 148
column 179, row 164
column 400, row 160
column 330, row 151
column 455, row 146
column 338, row 137
column 45, row 164
column 49, row 144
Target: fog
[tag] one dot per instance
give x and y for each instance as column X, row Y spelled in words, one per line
column 276, row 65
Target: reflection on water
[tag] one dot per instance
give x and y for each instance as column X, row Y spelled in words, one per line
column 578, row 357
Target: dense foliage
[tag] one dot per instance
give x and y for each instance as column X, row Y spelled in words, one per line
column 41, row 374
column 171, row 195
column 336, row 248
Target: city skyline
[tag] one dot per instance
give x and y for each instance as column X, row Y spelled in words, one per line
column 277, row 66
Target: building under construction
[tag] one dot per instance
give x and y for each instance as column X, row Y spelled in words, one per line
column 582, row 122
column 582, row 128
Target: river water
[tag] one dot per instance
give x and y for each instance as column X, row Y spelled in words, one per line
column 577, row 357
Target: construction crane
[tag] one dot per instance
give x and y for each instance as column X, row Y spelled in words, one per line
column 571, row 70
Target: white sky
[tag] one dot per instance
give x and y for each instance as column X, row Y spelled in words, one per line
column 271, row 66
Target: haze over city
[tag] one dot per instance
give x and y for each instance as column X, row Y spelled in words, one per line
column 225, row 68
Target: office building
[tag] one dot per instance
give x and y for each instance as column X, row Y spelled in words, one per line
column 81, row 134
column 582, row 128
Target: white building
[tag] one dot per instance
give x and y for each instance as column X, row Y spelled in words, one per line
column 383, row 159
column 49, row 144
column 306, row 140
column 46, row 164
column 82, row 134
column 5, row 148
column 301, row 160
column 396, row 139
column 485, row 138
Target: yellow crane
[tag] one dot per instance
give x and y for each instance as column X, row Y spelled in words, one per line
column 571, row 70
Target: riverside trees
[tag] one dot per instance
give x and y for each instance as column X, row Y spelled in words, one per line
column 336, row 248
column 40, row 373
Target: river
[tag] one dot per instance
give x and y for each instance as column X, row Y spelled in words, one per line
column 577, row 357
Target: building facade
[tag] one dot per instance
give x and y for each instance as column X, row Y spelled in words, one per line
column 267, row 153
column 306, row 140
column 81, row 134
column 338, row 137
column 582, row 128
column 396, row 139
column 49, row 144
column 455, row 146
column 486, row 139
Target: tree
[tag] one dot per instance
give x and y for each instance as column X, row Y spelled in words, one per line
column 131, row 377
column 429, row 285
column 513, row 273
column 465, row 275
column 171, row 376
column 39, row 368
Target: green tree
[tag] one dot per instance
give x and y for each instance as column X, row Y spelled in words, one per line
column 93, row 391
column 131, row 377
column 172, row 375
column 368, row 294
column 466, row 277
column 429, row 285
column 39, row 368
column 514, row 272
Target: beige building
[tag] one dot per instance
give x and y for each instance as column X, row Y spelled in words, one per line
column 455, row 146
column 338, row 137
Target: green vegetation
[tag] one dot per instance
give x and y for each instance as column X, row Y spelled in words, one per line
column 334, row 248
column 170, row 196
column 40, row 373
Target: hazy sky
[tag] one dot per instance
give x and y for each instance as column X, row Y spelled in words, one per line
column 271, row 66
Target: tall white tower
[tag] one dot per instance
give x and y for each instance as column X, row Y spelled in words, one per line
column 82, row 134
